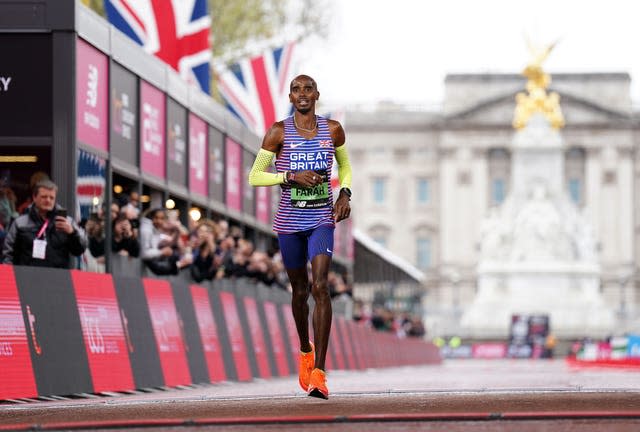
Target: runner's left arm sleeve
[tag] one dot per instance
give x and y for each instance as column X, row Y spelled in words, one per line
column 344, row 166
column 259, row 175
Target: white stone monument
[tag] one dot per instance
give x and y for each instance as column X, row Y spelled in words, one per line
column 537, row 251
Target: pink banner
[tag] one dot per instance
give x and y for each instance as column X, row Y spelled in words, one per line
column 257, row 337
column 152, row 130
column 92, row 101
column 277, row 341
column 104, row 335
column 290, row 325
column 198, row 156
column 16, row 379
column 263, row 202
column 167, row 331
column 233, row 165
column 236, row 336
column 489, row 350
column 208, row 334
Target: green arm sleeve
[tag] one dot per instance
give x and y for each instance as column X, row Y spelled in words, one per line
column 344, row 166
column 259, row 175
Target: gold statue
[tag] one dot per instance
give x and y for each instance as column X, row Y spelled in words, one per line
column 538, row 100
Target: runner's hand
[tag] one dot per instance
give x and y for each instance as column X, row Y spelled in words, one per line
column 342, row 209
column 307, row 178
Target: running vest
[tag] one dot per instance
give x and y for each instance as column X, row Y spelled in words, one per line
column 301, row 209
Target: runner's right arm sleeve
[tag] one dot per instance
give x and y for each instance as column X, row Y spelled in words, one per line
column 259, row 175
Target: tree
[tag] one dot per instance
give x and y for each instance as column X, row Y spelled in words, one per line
column 238, row 26
column 96, row 5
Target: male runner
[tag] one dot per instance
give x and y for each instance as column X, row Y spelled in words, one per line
column 305, row 145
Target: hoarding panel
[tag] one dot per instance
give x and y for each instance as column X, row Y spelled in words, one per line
column 92, row 100
column 176, row 143
column 124, row 114
column 26, row 84
column 152, row 130
column 198, row 155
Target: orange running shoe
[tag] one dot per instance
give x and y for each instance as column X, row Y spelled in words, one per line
column 307, row 362
column 318, row 384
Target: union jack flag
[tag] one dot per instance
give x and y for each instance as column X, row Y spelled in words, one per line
column 176, row 31
column 90, row 184
column 256, row 89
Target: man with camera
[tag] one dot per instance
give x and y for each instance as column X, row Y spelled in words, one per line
column 45, row 236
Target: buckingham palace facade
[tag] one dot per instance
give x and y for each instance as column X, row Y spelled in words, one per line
column 424, row 180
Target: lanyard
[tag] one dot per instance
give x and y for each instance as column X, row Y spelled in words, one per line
column 43, row 228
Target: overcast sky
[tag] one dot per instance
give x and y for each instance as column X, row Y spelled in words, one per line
column 401, row 50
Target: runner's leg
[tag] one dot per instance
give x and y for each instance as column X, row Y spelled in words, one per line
column 321, row 251
column 293, row 248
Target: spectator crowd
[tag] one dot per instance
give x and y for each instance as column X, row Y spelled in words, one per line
column 205, row 250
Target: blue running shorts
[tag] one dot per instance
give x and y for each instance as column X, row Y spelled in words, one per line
column 297, row 248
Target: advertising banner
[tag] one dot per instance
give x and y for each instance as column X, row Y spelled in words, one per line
column 16, row 379
column 54, row 331
column 248, row 191
column 275, row 202
column 633, row 346
column 124, row 114
column 527, row 335
column 277, row 341
column 347, row 348
column 489, row 350
column 236, row 335
column 257, row 337
column 216, row 165
column 92, row 100
column 176, row 143
column 335, row 343
column 198, row 156
column 104, row 336
column 354, row 339
column 138, row 330
column 152, row 129
column 292, row 332
column 208, row 334
column 263, row 204
column 167, row 331
column 26, row 84
column 190, row 331
column 233, row 184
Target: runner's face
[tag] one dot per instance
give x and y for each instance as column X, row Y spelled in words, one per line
column 303, row 94
column 45, row 199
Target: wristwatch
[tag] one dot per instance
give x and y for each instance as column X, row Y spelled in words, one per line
column 347, row 191
column 290, row 176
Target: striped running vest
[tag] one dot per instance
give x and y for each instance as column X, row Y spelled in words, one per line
column 302, row 209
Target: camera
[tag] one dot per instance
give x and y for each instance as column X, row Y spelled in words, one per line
column 61, row 212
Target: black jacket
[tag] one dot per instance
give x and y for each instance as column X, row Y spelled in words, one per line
column 18, row 245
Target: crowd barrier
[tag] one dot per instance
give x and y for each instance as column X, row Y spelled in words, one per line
column 68, row 332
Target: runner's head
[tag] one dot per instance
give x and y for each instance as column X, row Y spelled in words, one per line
column 303, row 93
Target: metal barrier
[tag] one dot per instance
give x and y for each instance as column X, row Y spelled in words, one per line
column 64, row 332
